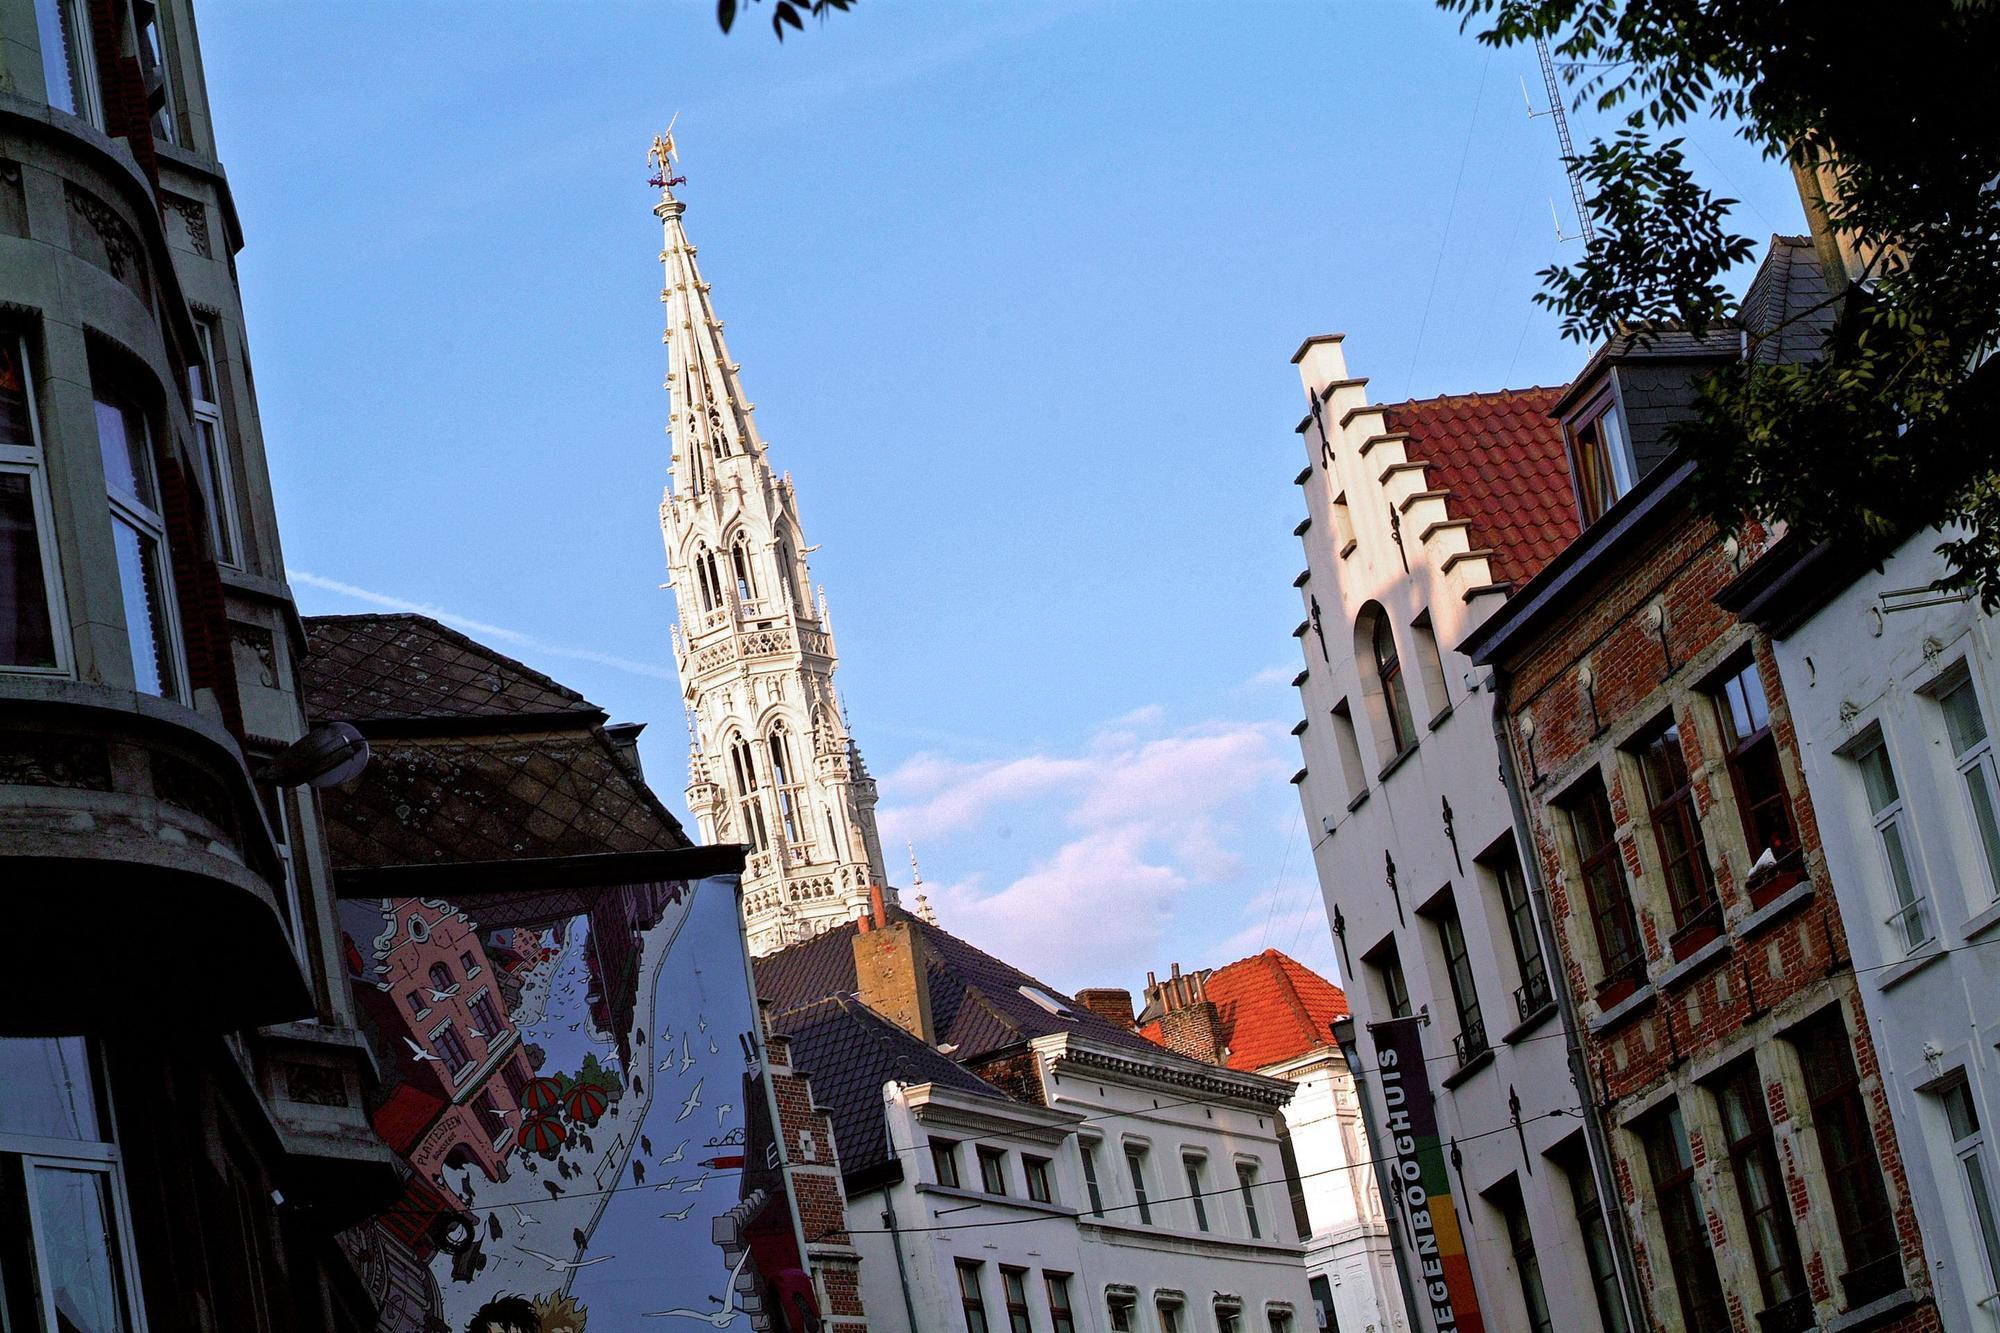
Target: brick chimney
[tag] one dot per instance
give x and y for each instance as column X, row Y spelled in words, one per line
column 1112, row 1004
column 892, row 971
column 1189, row 1024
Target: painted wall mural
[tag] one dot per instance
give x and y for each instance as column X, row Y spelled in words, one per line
column 575, row 1081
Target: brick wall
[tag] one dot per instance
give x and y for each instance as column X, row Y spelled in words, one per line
column 817, row 1192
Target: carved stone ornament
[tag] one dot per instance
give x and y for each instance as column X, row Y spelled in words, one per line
column 122, row 256
column 194, row 217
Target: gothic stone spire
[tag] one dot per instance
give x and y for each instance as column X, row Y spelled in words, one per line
column 773, row 765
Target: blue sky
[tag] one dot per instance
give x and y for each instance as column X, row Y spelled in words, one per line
column 1014, row 287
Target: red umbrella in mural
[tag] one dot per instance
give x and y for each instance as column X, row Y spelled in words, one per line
column 542, row 1096
column 586, row 1102
column 542, row 1134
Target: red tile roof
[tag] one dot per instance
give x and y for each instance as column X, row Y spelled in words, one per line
column 402, row 1120
column 1269, row 1008
column 1503, row 461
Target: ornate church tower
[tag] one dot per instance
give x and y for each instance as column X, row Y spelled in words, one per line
column 771, row 764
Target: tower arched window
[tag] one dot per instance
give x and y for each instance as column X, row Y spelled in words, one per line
column 1389, row 695
column 746, row 586
column 791, row 792
column 704, row 577
column 788, row 572
column 743, row 770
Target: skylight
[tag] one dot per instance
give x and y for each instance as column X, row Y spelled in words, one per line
column 1047, row 1001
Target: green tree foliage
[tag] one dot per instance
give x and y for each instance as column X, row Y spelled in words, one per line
column 784, row 13
column 1886, row 113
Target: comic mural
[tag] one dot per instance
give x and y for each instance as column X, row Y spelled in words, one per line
column 574, row 1081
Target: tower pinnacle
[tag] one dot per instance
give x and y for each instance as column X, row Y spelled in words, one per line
column 772, row 764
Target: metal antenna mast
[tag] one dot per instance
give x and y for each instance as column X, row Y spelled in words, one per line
column 1555, row 109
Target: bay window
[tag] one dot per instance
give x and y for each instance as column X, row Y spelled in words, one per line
column 138, row 536
column 31, row 628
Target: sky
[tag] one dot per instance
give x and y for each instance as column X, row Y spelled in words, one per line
column 1015, row 288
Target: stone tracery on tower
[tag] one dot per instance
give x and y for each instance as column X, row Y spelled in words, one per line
column 771, row 763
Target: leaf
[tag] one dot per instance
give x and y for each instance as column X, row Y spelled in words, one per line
column 725, row 13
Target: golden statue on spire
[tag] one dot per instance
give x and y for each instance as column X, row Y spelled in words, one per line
column 663, row 155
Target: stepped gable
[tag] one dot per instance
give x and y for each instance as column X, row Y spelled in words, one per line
column 1269, row 1008
column 976, row 999
column 1504, row 461
column 849, row 1051
column 406, row 667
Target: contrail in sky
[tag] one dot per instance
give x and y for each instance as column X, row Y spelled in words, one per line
column 467, row 623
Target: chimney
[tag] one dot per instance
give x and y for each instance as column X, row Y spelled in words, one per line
column 1112, row 1004
column 892, row 970
column 1189, row 1024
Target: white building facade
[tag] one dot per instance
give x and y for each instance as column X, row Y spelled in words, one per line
column 772, row 765
column 1420, row 518
column 1894, row 690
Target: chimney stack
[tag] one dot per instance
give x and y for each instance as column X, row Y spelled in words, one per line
column 1112, row 1004
column 1189, row 1023
column 892, row 970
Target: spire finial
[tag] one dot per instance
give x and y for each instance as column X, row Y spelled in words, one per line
column 663, row 155
column 916, row 875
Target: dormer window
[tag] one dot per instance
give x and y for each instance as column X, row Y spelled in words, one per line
column 1600, row 457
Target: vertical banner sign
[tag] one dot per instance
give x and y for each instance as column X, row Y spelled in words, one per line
column 1444, row 1272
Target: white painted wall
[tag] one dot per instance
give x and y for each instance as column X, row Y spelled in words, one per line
column 1856, row 669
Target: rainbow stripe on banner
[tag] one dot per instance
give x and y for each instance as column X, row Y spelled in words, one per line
column 1443, row 1273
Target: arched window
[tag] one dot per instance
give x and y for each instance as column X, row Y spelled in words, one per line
column 746, row 587
column 791, row 795
column 788, row 571
column 743, row 768
column 1395, row 696
column 440, row 977
column 704, row 577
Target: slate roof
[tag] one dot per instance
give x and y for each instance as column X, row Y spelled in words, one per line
column 1786, row 308
column 1503, row 459
column 976, row 1001
column 1269, row 1008
column 486, row 760
column 398, row 667
column 849, row 1051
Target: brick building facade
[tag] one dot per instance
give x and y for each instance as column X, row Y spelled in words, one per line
column 1687, row 895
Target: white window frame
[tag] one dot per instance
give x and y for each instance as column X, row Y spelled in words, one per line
column 151, row 524
column 1891, row 816
column 96, row 1156
column 214, row 454
column 1979, row 756
column 30, row 461
column 1970, row 1154
column 73, row 19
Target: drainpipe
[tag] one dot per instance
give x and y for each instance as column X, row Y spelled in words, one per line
column 1350, row 1051
column 1599, row 1154
column 896, row 1242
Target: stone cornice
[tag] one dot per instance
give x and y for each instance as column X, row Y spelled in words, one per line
column 1253, row 1090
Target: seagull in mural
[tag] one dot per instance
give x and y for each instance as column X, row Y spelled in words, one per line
column 419, row 1053
column 667, row 1065
column 720, row 1318
column 563, row 1265
column 440, row 996
column 712, row 1048
column 722, row 1113
column 695, row 1186
column 687, row 1061
column 701, row 1021
column 522, row 1219
column 675, row 1155
column 668, row 1183
column 693, row 1100
column 681, row 1216
column 477, row 1033
column 502, row 1112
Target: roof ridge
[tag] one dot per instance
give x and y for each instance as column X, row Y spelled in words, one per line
column 467, row 641
column 1474, row 395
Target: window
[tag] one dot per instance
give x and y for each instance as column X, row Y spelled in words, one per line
column 1089, row 1151
column 515, row 1075
column 1598, row 1261
column 64, row 1252
column 1014, row 1289
column 1589, row 809
column 743, row 770
column 944, row 1158
column 138, row 535
column 417, row 1005
column 1690, row 1257
column 1676, row 829
column 1246, row 1185
column 1135, row 1162
column 1228, row 1317
column 1123, row 1311
column 1471, row 1040
column 1972, row 751
column 1169, row 1311
column 1753, row 763
column 1352, row 774
column 218, row 480
column 1848, row 1164
column 1599, row 459
column 451, row 1049
column 487, row 1015
column 1401, row 732
column 1322, row 1297
column 1280, row 1320
column 69, row 62
column 791, row 793
column 1506, row 1199
column 30, row 639
column 704, row 578
column 1062, row 1318
column 1910, row 922
column 153, row 68
column 1430, row 667
column 469, row 963
column 440, row 977
column 1036, row 1169
column 1760, row 1189
column 739, row 558
column 1968, row 1144
column 992, row 1170
column 969, row 1296
column 1533, row 994
column 1387, row 964
column 1196, row 1190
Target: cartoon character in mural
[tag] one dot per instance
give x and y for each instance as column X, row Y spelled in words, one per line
column 554, row 1313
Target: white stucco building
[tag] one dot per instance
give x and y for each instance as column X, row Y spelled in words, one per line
column 1420, row 517
column 772, row 766
column 1895, row 695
